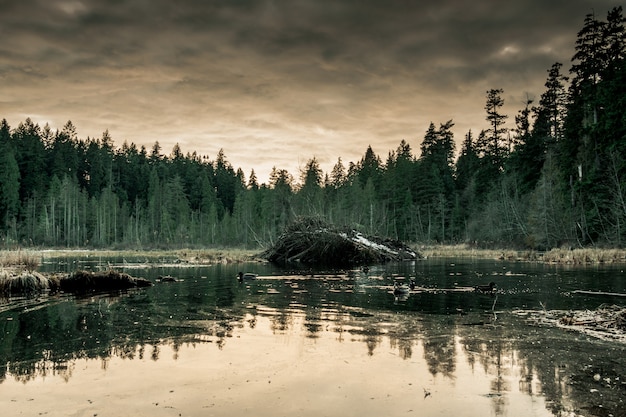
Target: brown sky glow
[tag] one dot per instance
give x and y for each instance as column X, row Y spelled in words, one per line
column 275, row 83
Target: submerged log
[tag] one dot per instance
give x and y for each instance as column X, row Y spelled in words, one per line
column 312, row 241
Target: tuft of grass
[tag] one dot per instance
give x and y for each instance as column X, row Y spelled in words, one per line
column 26, row 283
column 468, row 251
column 216, row 256
column 24, row 260
column 579, row 256
column 85, row 281
column 585, row 256
column 185, row 256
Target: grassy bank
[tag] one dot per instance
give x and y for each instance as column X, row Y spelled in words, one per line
column 578, row 256
column 22, row 260
column 29, row 260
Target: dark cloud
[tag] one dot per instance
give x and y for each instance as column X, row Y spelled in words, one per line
column 298, row 78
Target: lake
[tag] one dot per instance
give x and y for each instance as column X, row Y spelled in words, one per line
column 314, row 343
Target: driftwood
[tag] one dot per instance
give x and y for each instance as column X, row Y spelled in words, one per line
column 310, row 240
column 599, row 293
column 604, row 318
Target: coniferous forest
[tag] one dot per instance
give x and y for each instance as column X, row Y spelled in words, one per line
column 558, row 178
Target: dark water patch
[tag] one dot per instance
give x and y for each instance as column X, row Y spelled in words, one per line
column 442, row 331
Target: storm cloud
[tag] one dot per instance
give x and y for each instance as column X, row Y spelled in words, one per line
column 275, row 83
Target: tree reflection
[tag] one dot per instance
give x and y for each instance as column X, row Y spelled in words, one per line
column 48, row 340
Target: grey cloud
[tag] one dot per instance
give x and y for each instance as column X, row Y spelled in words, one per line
column 304, row 76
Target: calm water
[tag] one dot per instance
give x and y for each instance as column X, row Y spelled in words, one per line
column 314, row 343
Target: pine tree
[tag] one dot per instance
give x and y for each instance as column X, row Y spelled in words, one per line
column 9, row 186
column 31, row 159
column 495, row 147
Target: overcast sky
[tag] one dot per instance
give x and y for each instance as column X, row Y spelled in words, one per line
column 275, row 83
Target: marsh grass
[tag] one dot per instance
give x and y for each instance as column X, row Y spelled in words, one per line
column 585, row 256
column 26, row 283
column 216, row 256
column 85, row 281
column 190, row 256
column 80, row 282
column 468, row 251
column 21, row 260
column 568, row 256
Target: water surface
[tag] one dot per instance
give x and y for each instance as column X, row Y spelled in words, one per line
column 314, row 343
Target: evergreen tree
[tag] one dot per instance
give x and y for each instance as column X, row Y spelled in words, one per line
column 436, row 180
column 338, row 176
column 553, row 103
column 465, row 180
column 368, row 167
column 253, row 183
column 9, row 186
column 31, row 159
column 310, row 194
column 226, row 182
column 63, row 153
column 495, row 147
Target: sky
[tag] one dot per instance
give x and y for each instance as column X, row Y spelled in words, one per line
column 275, row 83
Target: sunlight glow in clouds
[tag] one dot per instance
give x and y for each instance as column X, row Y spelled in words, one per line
column 275, row 83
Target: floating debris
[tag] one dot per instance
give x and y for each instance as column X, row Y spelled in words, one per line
column 607, row 322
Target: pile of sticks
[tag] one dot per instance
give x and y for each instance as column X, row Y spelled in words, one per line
column 604, row 318
column 312, row 241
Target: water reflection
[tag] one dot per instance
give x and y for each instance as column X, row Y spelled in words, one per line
column 455, row 336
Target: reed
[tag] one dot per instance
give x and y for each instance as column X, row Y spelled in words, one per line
column 185, row 255
column 85, row 281
column 80, row 282
column 585, row 256
column 26, row 283
column 579, row 256
column 216, row 256
column 25, row 260
column 468, row 251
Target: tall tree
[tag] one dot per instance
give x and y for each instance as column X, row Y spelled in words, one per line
column 369, row 167
column 9, row 186
column 31, row 159
column 553, row 102
column 436, row 180
column 226, row 182
column 496, row 147
column 338, row 174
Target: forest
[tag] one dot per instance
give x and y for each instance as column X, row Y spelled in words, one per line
column 557, row 179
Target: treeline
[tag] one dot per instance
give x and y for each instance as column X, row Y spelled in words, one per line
column 557, row 178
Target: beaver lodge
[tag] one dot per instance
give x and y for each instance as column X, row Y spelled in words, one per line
column 312, row 241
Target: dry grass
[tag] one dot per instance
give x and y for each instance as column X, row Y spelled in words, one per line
column 467, row 251
column 216, row 256
column 190, row 256
column 559, row 255
column 585, row 256
column 26, row 283
column 85, row 281
column 20, row 260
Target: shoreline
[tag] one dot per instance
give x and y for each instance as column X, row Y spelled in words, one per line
column 565, row 256
column 31, row 258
